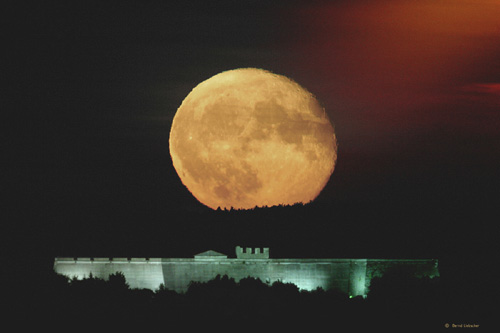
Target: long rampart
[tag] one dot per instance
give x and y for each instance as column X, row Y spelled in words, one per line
column 140, row 273
column 351, row 276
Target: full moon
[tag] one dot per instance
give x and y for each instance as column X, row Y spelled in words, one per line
column 249, row 138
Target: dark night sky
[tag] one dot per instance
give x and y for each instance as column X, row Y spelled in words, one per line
column 412, row 87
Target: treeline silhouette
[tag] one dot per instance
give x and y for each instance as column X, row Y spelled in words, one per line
column 339, row 230
column 397, row 298
column 316, row 230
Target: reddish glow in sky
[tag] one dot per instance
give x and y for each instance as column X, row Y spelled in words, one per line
column 397, row 62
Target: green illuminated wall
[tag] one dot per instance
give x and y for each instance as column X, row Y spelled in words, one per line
column 351, row 276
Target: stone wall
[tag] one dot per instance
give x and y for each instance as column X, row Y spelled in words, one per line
column 351, row 276
column 139, row 272
column 419, row 267
column 307, row 274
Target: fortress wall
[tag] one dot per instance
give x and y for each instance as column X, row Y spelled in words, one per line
column 419, row 267
column 178, row 274
column 311, row 275
column 139, row 272
column 351, row 276
column 357, row 278
column 307, row 275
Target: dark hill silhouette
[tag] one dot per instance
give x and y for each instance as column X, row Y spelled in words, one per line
column 395, row 299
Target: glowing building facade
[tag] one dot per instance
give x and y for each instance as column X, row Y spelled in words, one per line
column 351, row 276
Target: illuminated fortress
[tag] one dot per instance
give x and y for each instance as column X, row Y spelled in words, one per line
column 351, row 276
